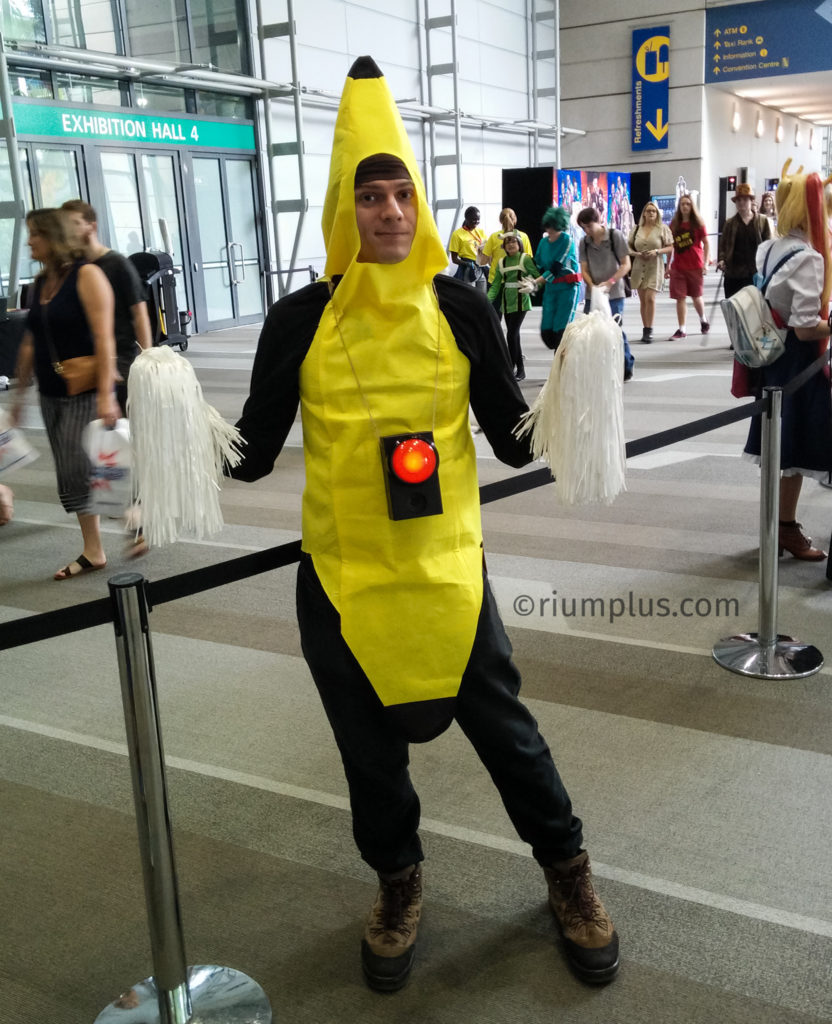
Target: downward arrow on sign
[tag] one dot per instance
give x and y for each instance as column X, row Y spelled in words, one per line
column 659, row 129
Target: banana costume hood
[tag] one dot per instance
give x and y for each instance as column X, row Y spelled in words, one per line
column 383, row 361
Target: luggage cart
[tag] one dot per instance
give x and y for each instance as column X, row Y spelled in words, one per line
column 157, row 272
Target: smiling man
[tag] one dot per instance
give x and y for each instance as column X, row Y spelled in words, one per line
column 398, row 624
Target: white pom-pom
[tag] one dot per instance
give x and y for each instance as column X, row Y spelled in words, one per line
column 577, row 420
column 180, row 445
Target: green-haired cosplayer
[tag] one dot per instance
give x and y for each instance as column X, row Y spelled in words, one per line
column 557, row 259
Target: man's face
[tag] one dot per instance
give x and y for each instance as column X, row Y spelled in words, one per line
column 743, row 204
column 77, row 230
column 386, row 213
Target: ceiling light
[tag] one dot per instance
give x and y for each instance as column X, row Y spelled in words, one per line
column 798, row 135
column 736, row 120
column 778, row 131
column 811, row 138
column 760, row 127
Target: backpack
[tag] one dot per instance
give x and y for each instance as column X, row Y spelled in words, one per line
column 757, row 338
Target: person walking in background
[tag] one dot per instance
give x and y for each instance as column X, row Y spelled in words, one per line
column 741, row 235
column 799, row 293
column 131, row 320
column 466, row 246
column 493, row 251
column 769, row 209
column 688, row 263
column 648, row 243
column 510, row 273
column 71, row 315
column 557, row 259
column 604, row 263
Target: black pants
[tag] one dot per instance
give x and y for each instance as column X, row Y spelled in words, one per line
column 515, row 352
column 733, row 284
column 551, row 339
column 385, row 806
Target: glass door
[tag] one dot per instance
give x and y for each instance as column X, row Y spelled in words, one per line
column 143, row 208
column 228, row 265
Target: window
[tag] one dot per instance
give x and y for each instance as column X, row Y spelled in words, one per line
column 220, row 104
column 160, row 97
column 30, row 82
column 218, row 27
column 85, row 89
column 22, row 20
column 28, row 267
column 88, row 24
column 122, row 197
column 158, row 28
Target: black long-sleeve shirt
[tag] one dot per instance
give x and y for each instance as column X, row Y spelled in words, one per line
column 272, row 405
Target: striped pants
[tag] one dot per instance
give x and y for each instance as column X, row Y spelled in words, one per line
column 65, row 419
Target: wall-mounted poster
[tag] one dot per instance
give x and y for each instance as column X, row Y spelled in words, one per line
column 620, row 205
column 595, row 192
column 667, row 206
column 570, row 193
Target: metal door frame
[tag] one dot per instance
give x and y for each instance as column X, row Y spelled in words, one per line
column 200, row 307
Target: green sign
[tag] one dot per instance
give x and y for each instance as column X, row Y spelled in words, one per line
column 79, row 123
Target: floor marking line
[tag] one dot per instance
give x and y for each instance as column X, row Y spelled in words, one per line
column 661, row 886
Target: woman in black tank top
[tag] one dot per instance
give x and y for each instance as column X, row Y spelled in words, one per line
column 71, row 315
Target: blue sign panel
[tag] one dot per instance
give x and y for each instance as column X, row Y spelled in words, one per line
column 770, row 38
column 651, row 87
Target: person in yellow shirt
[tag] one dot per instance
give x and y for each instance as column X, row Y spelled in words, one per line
column 397, row 620
column 465, row 249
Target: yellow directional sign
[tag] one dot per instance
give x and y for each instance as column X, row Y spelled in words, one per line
column 659, row 129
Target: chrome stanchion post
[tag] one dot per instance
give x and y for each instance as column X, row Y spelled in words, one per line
column 768, row 654
column 174, row 994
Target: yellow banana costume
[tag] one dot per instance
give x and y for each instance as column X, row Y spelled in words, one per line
column 383, row 361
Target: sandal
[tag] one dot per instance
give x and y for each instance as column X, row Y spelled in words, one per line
column 84, row 565
column 137, row 546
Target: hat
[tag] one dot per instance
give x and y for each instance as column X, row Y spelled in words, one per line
column 744, row 191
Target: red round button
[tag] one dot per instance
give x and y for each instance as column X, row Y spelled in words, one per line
column 413, row 460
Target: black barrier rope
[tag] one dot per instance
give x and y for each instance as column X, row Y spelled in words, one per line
column 95, row 613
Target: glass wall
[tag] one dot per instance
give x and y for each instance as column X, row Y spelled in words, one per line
column 158, row 29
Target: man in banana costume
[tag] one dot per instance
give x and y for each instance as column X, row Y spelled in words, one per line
column 398, row 623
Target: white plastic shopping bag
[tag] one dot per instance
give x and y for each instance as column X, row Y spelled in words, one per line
column 111, row 487
column 15, row 450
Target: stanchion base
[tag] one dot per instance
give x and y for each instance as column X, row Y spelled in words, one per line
column 219, row 995
column 788, row 658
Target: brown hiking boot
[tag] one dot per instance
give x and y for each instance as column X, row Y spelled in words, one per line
column 591, row 941
column 389, row 942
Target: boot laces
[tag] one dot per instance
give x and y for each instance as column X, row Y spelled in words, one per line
column 582, row 900
column 396, row 898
